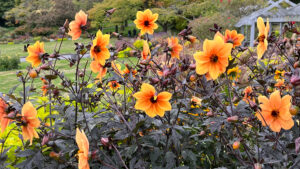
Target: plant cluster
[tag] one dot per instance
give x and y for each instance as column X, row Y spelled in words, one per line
column 223, row 106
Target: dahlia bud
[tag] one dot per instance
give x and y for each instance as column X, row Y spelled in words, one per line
column 45, row 66
column 33, row 73
column 210, row 114
column 236, row 145
column 192, row 66
column 233, row 119
column 294, row 110
column 94, row 154
column 105, row 141
column 297, row 64
column 19, row 73
column 257, row 166
column 154, row 80
column 202, row 133
column 54, row 155
column 45, row 139
column 192, row 78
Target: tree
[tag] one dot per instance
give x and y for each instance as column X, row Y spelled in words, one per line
column 5, row 6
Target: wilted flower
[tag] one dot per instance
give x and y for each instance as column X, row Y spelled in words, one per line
column 78, row 25
column 146, row 54
column 214, row 58
column 150, row 102
column 30, row 121
column 280, row 83
column 275, row 112
column 146, row 21
column 35, row 53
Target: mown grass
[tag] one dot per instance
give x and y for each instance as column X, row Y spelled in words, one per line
column 17, row 50
column 8, row 79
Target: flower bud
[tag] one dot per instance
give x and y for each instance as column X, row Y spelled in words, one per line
column 19, row 73
column 233, row 119
column 54, row 155
column 236, row 145
column 33, row 73
column 105, row 141
column 297, row 64
column 257, row 166
column 202, row 133
column 45, row 139
column 154, row 80
column 192, row 78
column 294, row 110
column 192, row 66
column 210, row 114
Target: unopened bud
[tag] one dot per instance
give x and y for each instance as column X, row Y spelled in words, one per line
column 33, row 73
column 236, row 145
column 233, row 119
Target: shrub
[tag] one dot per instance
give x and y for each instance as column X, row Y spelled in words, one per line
column 215, row 106
column 9, row 63
column 42, row 31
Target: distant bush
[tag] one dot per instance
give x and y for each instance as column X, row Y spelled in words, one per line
column 9, row 63
column 21, row 30
column 201, row 25
column 42, row 31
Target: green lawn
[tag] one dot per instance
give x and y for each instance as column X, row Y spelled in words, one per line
column 8, row 79
column 13, row 50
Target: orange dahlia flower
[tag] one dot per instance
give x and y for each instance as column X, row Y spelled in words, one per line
column 128, row 69
column 44, row 89
column 114, row 85
column 262, row 37
column 35, row 52
column 99, row 51
column 83, row 153
column 248, row 94
column 275, row 112
column 3, row 120
column 232, row 37
column 152, row 104
column 174, row 47
column 30, row 121
column 77, row 25
column 214, row 58
column 280, row 83
column 145, row 21
column 96, row 67
column 146, row 54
